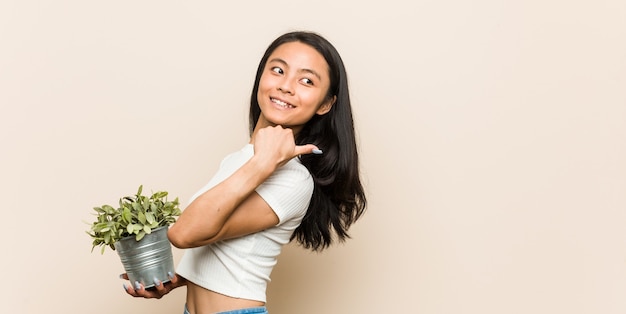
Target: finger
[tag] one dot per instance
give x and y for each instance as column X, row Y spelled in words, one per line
column 137, row 288
column 140, row 291
column 173, row 278
column 160, row 287
column 307, row 149
column 130, row 290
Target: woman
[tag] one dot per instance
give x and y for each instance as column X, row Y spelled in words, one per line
column 297, row 178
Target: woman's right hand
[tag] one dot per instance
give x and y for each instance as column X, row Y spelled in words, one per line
column 276, row 146
column 160, row 289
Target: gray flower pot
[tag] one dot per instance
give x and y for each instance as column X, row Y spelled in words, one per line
column 147, row 259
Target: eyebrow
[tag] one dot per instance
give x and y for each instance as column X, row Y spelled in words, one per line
column 279, row 60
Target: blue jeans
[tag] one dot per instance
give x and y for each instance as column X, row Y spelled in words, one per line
column 252, row 310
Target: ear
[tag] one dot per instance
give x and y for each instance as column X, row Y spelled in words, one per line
column 326, row 106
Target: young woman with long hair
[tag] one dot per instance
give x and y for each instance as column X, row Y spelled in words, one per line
column 297, row 179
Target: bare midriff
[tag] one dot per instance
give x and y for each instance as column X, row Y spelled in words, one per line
column 204, row 301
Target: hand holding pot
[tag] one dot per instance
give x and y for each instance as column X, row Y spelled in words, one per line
column 158, row 291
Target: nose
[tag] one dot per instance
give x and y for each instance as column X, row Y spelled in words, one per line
column 285, row 86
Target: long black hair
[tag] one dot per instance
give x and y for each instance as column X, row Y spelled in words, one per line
column 338, row 198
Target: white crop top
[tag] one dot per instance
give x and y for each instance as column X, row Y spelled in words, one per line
column 241, row 267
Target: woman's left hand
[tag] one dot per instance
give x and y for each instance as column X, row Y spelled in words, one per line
column 160, row 289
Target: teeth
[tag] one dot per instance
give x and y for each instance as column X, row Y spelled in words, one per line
column 281, row 103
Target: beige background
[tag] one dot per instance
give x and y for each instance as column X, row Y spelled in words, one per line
column 492, row 136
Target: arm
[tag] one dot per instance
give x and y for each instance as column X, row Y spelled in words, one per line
column 232, row 208
column 204, row 220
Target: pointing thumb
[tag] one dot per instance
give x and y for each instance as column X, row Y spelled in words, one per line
column 307, row 149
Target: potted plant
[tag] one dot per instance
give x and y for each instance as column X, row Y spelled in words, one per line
column 137, row 230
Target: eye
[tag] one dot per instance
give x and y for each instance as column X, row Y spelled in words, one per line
column 306, row 81
column 277, row 70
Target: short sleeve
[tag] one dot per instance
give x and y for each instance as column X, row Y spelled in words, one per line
column 288, row 191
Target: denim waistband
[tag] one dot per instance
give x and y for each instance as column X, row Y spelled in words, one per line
column 251, row 310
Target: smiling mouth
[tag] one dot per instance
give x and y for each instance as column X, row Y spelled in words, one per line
column 281, row 103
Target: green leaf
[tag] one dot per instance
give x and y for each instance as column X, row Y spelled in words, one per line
column 160, row 194
column 140, row 235
column 108, row 209
column 147, row 229
column 150, row 217
column 126, row 215
column 142, row 217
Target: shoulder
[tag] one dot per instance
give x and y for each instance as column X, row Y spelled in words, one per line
column 293, row 175
column 288, row 190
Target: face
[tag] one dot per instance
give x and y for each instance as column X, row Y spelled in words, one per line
column 293, row 87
